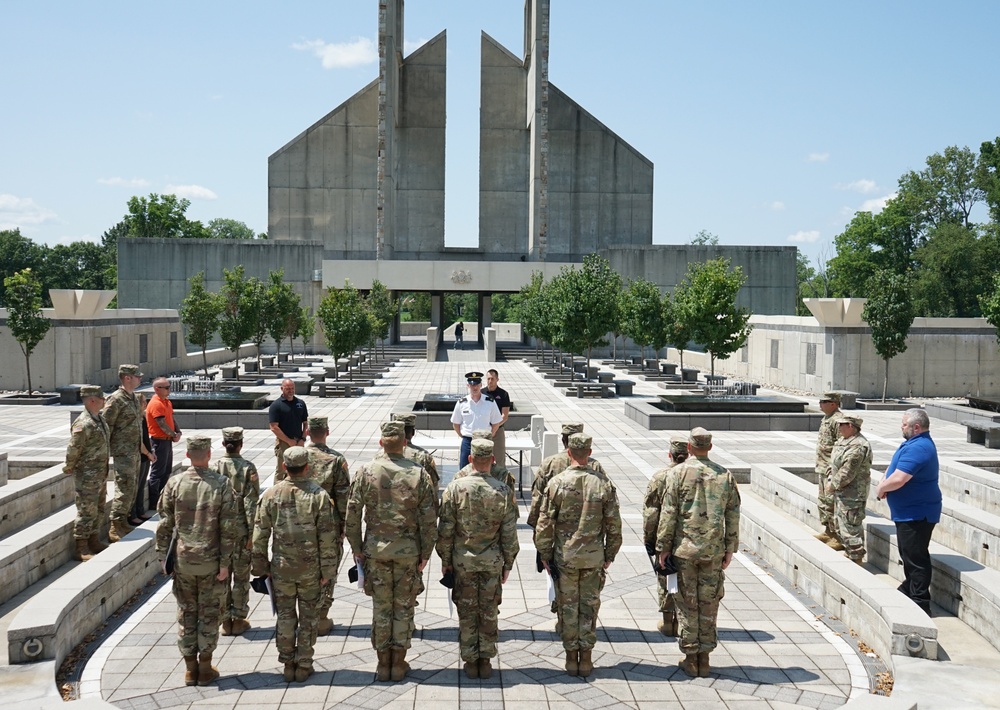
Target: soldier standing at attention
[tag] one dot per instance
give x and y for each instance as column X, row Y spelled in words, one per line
column 198, row 507
column 328, row 468
column 87, row 462
column 828, row 434
column 497, row 470
column 245, row 482
column 123, row 415
column 394, row 497
column 850, row 479
column 700, row 529
column 651, row 521
column 415, row 453
column 555, row 464
column 301, row 517
column 578, row 535
column 477, row 540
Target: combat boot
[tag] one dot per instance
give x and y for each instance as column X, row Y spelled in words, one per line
column 302, row 672
column 190, row 670
column 573, row 663
column 82, row 551
column 472, row 669
column 399, row 667
column 206, row 671
column 485, row 669
column 824, row 536
column 668, row 627
column 675, row 625
column 95, row 544
column 835, row 544
column 586, row 666
column 704, row 667
column 689, row 664
column 382, row 672
column 227, row 627
column 324, row 626
column 239, row 626
column 289, row 673
column 118, row 530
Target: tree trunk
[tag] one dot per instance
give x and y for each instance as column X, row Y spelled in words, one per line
column 681, row 352
column 614, row 347
column 587, row 371
column 885, row 381
column 711, row 360
column 27, row 364
column 642, row 356
column 204, row 359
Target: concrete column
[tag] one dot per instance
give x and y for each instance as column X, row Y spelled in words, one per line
column 536, row 43
column 437, row 310
column 490, row 344
column 433, row 336
column 394, row 326
column 485, row 310
column 390, row 59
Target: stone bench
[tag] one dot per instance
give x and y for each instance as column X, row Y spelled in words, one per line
column 338, row 389
column 69, row 394
column 980, row 431
column 689, row 374
column 715, row 379
column 27, row 500
column 591, row 389
column 229, row 372
column 623, row 388
column 605, row 377
column 302, row 385
column 848, row 399
column 668, row 368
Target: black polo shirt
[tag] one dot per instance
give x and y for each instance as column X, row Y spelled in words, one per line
column 289, row 415
column 500, row 396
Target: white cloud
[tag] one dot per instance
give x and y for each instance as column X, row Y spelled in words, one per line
column 864, row 186
column 877, row 204
column 69, row 239
column 777, row 206
column 191, row 192
column 16, row 212
column 341, row 55
column 803, row 237
column 817, row 157
column 122, row 182
column 410, row 47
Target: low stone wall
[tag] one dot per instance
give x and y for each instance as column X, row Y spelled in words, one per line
column 29, row 499
column 648, row 416
column 31, row 554
column 970, row 484
column 19, row 467
column 957, row 412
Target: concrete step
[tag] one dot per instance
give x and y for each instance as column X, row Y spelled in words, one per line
column 25, row 500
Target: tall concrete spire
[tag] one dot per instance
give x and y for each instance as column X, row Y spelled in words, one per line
column 390, row 64
column 536, row 58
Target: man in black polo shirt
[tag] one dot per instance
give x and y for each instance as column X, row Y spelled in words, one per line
column 287, row 416
column 499, row 395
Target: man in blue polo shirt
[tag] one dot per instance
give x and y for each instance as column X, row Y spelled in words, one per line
column 910, row 486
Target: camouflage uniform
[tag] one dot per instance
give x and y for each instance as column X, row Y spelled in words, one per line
column 245, row 482
column 579, row 531
column 198, row 506
column 87, row 460
column 850, row 478
column 699, row 524
column 328, row 468
column 395, row 497
column 124, row 419
column 302, row 519
column 497, row 471
column 651, row 520
column 549, row 468
column 828, row 435
column 477, row 537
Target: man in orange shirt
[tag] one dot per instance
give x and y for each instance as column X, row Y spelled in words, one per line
column 162, row 433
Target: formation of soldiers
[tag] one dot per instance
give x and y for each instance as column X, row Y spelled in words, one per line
column 216, row 530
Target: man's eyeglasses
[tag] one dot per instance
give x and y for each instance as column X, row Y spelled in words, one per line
column 162, row 387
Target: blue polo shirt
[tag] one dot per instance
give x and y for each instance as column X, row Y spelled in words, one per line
column 920, row 497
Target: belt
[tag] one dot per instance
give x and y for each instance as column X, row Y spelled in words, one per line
column 160, row 438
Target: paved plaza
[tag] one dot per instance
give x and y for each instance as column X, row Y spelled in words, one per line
column 778, row 648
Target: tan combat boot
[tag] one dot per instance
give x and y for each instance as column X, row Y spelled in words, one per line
column 573, row 663
column 824, row 536
column 95, row 544
column 289, row 673
column 835, row 544
column 382, row 672
column 704, row 667
column 399, row 667
column 586, row 663
column 82, row 552
column 689, row 664
column 325, row 626
column 118, row 530
column 472, row 669
column 239, row 626
column 190, row 670
column 302, row 672
column 485, row 669
column 206, row 671
column 227, row 627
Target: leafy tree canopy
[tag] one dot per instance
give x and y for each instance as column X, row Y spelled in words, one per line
column 23, row 300
column 709, row 305
column 200, row 312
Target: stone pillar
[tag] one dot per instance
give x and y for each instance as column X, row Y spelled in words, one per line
column 394, row 325
column 490, row 344
column 485, row 310
column 536, row 44
column 390, row 61
column 437, row 310
column 433, row 336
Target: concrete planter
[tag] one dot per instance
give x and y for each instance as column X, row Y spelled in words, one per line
column 29, row 399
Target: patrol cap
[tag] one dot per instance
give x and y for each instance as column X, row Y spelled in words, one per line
column 830, row 397
column 852, row 419
column 199, row 442
column 678, row 445
column 483, row 434
column 482, row 448
column 572, row 428
column 393, row 430
column 579, row 441
column 91, row 391
column 474, row 378
column 318, row 423
column 408, row 418
column 295, row 457
column 700, row 437
column 129, row 370
column 232, row 433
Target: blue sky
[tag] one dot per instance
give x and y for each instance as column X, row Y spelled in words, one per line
column 768, row 123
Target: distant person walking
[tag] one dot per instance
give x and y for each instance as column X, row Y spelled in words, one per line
column 911, row 488
column 163, row 433
column 459, row 335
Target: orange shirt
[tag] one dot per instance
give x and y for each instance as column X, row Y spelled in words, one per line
column 159, row 407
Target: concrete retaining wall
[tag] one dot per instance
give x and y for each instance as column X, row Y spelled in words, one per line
column 24, row 501
column 23, row 466
column 645, row 414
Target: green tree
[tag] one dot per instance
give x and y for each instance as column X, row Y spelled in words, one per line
column 585, row 303
column 307, row 328
column 23, row 298
column 889, row 313
column 988, row 176
column 953, row 267
column 989, row 302
column 946, row 190
column 236, row 326
column 345, row 320
column 383, row 309
column 717, row 322
column 223, row 228
column 678, row 328
column 813, row 282
column 283, row 309
column 201, row 312
column 157, row 217
column 256, row 307
column 642, row 315
column 532, row 311
column 870, row 243
column 705, row 238
column 415, row 306
column 17, row 253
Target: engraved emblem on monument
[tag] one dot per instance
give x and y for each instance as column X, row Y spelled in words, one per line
column 461, row 276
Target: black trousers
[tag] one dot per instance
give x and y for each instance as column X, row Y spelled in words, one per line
column 160, row 470
column 914, row 539
column 139, row 509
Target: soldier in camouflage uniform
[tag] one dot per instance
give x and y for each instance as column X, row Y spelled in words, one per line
column 197, row 507
column 828, row 435
column 477, row 540
column 123, row 415
column 87, row 462
column 394, row 497
column 328, row 468
column 850, row 479
column 700, row 528
column 497, row 471
column 578, row 535
column 555, row 464
column 651, row 521
column 245, row 482
column 303, row 558
column 415, row 453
